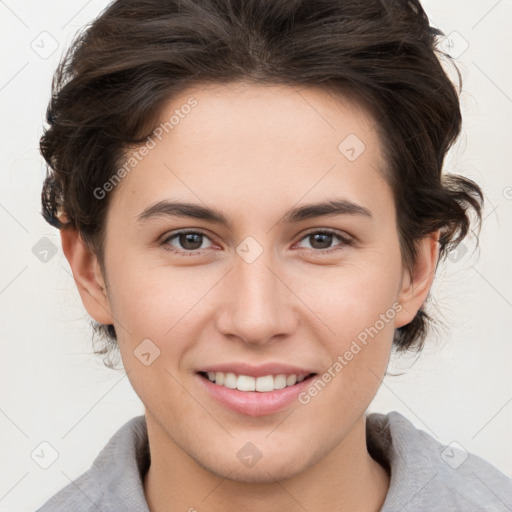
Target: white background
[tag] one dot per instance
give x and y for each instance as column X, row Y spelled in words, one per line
column 53, row 390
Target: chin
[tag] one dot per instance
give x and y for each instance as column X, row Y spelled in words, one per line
column 262, row 472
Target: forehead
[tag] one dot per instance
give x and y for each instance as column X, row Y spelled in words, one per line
column 283, row 116
column 243, row 146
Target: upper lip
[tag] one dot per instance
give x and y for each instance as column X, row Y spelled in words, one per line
column 256, row 371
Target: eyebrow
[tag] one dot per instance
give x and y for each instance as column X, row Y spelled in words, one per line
column 298, row 214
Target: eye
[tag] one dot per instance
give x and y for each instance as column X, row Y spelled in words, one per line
column 321, row 240
column 190, row 241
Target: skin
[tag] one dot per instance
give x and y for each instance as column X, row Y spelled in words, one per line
column 253, row 152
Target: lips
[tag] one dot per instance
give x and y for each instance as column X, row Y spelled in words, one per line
column 252, row 402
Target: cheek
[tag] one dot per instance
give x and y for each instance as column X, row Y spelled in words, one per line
column 156, row 306
column 359, row 308
column 358, row 304
column 353, row 296
column 150, row 300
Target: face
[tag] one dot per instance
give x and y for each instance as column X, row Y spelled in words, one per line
column 317, row 294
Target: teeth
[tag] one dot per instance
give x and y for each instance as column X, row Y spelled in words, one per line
column 230, row 380
column 291, row 380
column 247, row 383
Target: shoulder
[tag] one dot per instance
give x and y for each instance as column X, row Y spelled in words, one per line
column 427, row 475
column 114, row 481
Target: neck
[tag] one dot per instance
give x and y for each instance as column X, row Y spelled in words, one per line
column 345, row 479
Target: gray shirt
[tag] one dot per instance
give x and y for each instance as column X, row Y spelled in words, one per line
column 425, row 475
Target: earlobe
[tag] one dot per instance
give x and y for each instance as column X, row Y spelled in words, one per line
column 88, row 276
column 416, row 286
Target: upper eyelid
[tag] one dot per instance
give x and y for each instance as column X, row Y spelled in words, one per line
column 345, row 237
column 170, row 235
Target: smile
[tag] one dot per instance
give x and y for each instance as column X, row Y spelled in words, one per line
column 263, row 384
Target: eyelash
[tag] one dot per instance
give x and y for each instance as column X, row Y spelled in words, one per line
column 345, row 241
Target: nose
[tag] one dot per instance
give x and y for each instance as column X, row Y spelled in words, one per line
column 260, row 304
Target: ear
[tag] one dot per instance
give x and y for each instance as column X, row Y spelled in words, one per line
column 88, row 276
column 415, row 287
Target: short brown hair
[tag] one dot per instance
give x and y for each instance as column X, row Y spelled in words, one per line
column 120, row 71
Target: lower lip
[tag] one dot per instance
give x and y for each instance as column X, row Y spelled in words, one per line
column 254, row 403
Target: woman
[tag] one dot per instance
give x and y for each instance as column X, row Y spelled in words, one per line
column 251, row 200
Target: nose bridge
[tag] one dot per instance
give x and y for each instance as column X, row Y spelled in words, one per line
column 259, row 306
